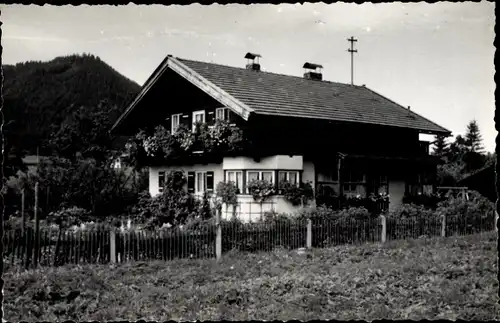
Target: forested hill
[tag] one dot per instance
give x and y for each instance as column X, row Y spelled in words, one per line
column 40, row 94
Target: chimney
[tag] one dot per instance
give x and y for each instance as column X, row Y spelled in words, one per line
column 253, row 61
column 313, row 71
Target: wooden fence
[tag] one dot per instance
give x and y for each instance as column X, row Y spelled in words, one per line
column 55, row 247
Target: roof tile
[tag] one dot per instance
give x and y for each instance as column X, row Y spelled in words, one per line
column 284, row 95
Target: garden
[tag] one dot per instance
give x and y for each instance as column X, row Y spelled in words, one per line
column 440, row 278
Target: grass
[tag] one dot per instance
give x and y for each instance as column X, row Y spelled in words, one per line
column 442, row 278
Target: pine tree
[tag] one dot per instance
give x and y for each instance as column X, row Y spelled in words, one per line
column 441, row 147
column 473, row 138
column 457, row 149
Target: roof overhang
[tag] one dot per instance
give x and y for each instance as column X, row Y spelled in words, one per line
column 428, row 159
column 193, row 77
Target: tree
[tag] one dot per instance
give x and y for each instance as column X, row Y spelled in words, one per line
column 440, row 146
column 457, row 149
column 473, row 138
column 85, row 133
column 79, row 173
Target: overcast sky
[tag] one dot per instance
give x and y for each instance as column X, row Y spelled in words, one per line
column 436, row 58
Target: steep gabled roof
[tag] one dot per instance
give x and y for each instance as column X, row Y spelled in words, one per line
column 267, row 93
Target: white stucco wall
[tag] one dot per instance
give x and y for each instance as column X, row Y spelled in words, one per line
column 272, row 162
column 248, row 209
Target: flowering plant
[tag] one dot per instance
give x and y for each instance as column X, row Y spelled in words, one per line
column 161, row 144
column 297, row 194
column 260, row 190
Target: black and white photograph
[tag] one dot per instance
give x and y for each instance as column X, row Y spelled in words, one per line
column 286, row 161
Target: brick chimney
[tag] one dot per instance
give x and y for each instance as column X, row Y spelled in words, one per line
column 253, row 61
column 313, row 71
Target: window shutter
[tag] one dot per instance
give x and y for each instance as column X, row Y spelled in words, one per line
column 210, row 117
column 226, row 114
column 190, row 182
column 161, row 181
column 210, row 181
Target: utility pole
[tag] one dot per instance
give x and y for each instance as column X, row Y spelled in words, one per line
column 352, row 51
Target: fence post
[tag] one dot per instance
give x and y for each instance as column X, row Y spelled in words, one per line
column 23, row 215
column 309, row 234
column 218, row 237
column 443, row 225
column 383, row 236
column 37, row 229
column 496, row 221
column 112, row 246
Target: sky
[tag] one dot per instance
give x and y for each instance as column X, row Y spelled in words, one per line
column 436, row 58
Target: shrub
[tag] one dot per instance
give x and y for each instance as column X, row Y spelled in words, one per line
column 323, row 212
column 297, row 195
column 467, row 215
column 405, row 211
column 426, row 200
column 68, row 217
column 227, row 192
column 174, row 206
column 278, row 230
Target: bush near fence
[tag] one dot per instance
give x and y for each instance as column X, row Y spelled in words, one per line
column 461, row 216
column 56, row 247
column 166, row 244
column 263, row 236
column 198, row 238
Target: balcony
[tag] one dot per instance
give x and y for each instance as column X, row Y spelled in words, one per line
column 159, row 146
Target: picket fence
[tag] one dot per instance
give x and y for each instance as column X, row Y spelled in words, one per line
column 53, row 247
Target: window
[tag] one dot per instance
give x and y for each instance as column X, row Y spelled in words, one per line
column 176, row 121
column 236, row 177
column 161, row 181
column 251, row 176
column 267, row 176
column 221, row 114
column 351, row 180
column 198, row 117
column 291, row 177
column 200, row 182
column 260, row 175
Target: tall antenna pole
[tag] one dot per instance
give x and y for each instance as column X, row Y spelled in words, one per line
column 352, row 51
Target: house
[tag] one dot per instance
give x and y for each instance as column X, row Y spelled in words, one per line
column 482, row 181
column 345, row 140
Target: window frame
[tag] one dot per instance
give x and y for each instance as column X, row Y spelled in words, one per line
column 350, row 184
column 195, row 113
column 235, row 172
column 161, row 174
column 204, row 177
column 224, row 109
column 259, row 177
column 287, row 176
column 172, row 128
